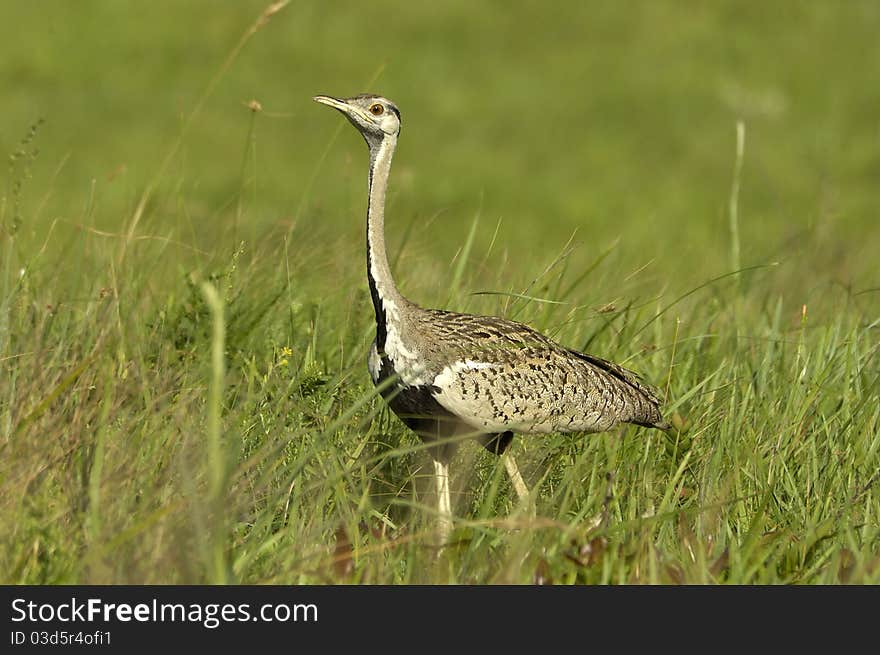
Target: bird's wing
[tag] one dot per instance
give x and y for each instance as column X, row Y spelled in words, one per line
column 631, row 378
column 509, row 377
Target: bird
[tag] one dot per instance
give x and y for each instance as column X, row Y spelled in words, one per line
column 450, row 376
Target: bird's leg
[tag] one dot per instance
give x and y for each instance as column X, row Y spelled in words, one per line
column 444, row 502
column 522, row 491
column 499, row 444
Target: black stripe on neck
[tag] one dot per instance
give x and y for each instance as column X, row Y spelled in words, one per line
column 381, row 329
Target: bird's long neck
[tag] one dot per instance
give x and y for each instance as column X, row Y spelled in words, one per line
column 387, row 300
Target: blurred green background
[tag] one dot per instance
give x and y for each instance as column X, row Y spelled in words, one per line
column 611, row 120
column 526, row 126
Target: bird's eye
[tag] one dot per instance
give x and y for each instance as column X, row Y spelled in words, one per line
column 376, row 109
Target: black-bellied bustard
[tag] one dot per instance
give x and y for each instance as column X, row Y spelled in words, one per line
column 450, row 375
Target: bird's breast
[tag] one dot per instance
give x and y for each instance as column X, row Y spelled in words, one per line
column 399, row 358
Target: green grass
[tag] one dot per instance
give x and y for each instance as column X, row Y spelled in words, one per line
column 184, row 318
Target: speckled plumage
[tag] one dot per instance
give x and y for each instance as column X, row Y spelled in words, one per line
column 493, row 375
column 447, row 374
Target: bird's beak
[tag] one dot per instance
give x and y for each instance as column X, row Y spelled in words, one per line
column 336, row 103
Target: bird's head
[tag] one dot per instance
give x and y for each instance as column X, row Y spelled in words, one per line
column 375, row 117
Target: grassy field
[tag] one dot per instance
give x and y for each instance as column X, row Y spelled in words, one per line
column 184, row 318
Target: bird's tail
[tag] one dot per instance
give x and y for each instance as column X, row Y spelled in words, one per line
column 645, row 399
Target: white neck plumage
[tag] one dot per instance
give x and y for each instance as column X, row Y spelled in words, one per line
column 386, row 298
